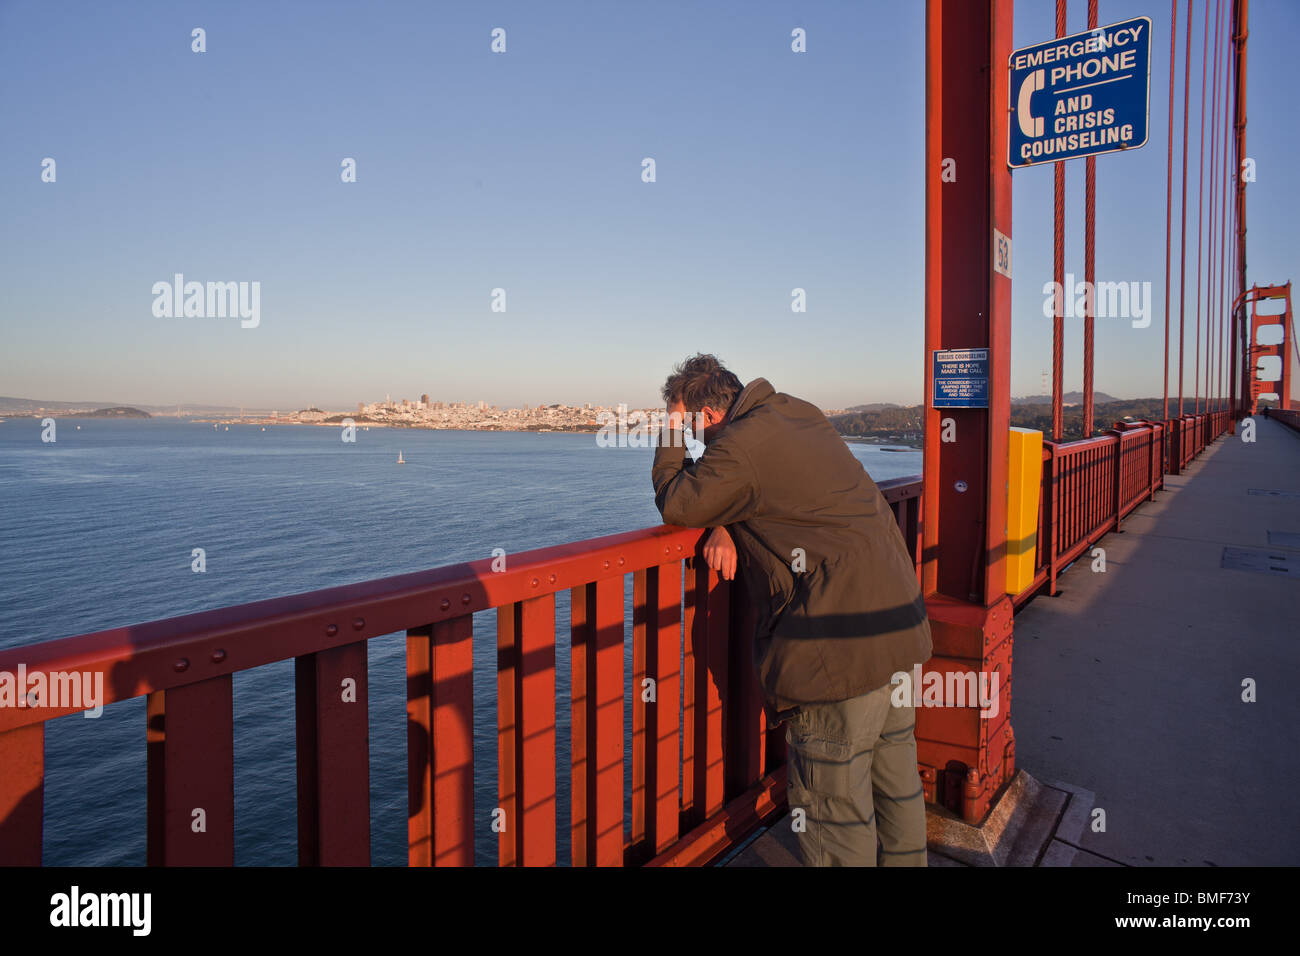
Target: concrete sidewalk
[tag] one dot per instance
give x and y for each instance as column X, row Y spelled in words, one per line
column 1128, row 684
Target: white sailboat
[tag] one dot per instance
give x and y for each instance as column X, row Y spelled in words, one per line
column 400, row 460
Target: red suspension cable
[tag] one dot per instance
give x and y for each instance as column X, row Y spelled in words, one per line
column 1200, row 219
column 1210, row 232
column 1182, row 251
column 1223, row 222
column 1169, row 178
column 1058, row 270
column 1089, row 261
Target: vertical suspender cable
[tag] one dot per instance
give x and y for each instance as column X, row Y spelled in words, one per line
column 1169, row 179
column 1058, row 269
column 1230, row 350
column 1213, row 207
column 1227, row 184
column 1182, row 249
column 1241, row 36
column 1089, row 256
column 1200, row 218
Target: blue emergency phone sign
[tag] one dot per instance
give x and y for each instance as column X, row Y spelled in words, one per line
column 1080, row 95
column 961, row 378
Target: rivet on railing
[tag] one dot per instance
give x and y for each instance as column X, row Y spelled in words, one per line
column 552, row 578
column 465, row 599
column 446, row 603
column 622, row 561
column 331, row 630
column 606, row 565
column 218, row 656
column 358, row 623
column 535, row 582
column 181, row 665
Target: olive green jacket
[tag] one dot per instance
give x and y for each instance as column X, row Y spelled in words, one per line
column 840, row 610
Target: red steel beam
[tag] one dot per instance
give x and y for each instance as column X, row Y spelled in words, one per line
column 597, row 724
column 440, row 743
column 709, row 636
column 525, row 814
column 22, row 795
column 967, row 305
column 191, row 775
column 333, row 736
column 664, row 648
column 762, row 802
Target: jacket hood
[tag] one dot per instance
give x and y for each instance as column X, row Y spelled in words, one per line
column 753, row 393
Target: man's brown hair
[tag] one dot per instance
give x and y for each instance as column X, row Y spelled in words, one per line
column 702, row 381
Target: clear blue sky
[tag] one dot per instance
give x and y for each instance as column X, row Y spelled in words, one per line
column 522, row 171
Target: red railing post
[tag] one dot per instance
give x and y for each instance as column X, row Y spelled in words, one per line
column 1054, row 545
column 663, row 766
column 440, row 743
column 1118, row 484
column 656, row 697
column 525, row 817
column 191, row 768
column 333, row 738
column 597, row 723
column 22, row 795
column 710, row 635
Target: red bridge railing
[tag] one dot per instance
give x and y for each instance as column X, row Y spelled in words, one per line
column 1289, row 417
column 705, row 770
column 1090, row 486
column 184, row 667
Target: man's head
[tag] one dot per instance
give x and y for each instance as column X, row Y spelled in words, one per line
column 703, row 388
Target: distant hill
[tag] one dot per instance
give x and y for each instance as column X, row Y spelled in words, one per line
column 30, row 406
column 897, row 422
column 120, row 411
column 873, row 407
column 1070, row 398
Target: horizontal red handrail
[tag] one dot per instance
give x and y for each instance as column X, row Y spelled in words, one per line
column 183, row 650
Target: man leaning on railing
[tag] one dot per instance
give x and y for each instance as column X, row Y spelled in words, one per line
column 839, row 609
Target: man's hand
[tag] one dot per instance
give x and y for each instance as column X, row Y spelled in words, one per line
column 720, row 553
column 675, row 416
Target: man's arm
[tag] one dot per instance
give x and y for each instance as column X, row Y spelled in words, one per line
column 718, row 489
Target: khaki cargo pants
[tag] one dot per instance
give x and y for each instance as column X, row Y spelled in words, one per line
column 851, row 768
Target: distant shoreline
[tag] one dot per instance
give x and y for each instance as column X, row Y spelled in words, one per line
column 413, row 426
column 906, row 444
column 263, row 422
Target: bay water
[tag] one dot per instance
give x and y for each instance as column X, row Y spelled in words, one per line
column 98, row 531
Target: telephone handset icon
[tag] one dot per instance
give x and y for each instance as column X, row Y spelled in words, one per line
column 1030, row 124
